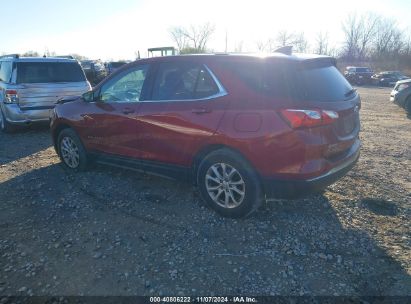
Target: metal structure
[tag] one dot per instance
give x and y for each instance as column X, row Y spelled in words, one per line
column 164, row 51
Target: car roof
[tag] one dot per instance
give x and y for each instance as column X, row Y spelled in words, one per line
column 295, row 57
column 404, row 81
column 358, row 67
column 38, row 59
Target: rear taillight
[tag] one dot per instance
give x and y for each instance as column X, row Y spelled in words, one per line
column 308, row 118
column 11, row 96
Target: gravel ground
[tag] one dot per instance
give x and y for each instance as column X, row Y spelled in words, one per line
column 117, row 232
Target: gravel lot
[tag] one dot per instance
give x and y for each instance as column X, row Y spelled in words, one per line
column 115, row 232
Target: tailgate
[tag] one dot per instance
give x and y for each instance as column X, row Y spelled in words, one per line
column 46, row 94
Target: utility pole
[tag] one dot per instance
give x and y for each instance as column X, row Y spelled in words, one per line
column 226, row 40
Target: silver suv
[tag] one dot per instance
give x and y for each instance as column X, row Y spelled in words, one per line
column 31, row 86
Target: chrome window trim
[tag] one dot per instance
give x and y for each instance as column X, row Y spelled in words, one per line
column 221, row 91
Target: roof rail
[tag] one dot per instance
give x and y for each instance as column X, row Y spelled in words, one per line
column 63, row 56
column 286, row 50
column 10, row 56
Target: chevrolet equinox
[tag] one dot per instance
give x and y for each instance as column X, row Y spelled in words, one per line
column 243, row 128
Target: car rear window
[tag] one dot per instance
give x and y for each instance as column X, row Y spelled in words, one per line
column 46, row 72
column 267, row 78
column 322, row 83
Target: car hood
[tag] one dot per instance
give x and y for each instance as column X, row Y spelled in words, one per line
column 67, row 99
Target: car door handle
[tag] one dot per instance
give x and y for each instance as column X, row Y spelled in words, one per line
column 201, row 111
column 128, row 111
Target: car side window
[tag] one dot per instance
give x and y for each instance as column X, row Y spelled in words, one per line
column 183, row 81
column 126, row 87
column 5, row 71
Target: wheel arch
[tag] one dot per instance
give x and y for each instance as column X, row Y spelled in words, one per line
column 56, row 133
column 201, row 154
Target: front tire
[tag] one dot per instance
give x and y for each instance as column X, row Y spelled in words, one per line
column 229, row 184
column 71, row 150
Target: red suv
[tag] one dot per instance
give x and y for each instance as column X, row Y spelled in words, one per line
column 243, row 128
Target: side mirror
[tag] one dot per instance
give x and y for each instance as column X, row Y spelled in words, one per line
column 88, row 96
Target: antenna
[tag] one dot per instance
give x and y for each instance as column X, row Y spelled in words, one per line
column 286, row 50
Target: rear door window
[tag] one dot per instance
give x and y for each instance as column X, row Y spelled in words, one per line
column 49, row 72
column 183, row 81
column 322, row 83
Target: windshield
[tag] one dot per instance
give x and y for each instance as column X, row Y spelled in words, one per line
column 117, row 64
column 363, row 70
column 45, row 72
column 323, row 84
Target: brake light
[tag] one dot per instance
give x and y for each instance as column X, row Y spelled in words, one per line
column 11, row 96
column 308, row 118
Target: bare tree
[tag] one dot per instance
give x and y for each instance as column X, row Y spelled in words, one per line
column 406, row 49
column 194, row 38
column 49, row 53
column 284, row 38
column 360, row 32
column 261, row 46
column 179, row 37
column 300, row 43
column 351, row 28
column 389, row 40
column 321, row 41
column 31, row 54
column 369, row 25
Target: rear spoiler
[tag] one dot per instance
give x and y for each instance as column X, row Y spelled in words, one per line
column 319, row 62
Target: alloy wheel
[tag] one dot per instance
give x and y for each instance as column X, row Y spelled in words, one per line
column 69, row 152
column 225, row 185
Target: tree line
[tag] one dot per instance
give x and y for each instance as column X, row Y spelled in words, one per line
column 368, row 38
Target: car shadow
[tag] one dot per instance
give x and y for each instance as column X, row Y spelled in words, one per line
column 36, row 138
column 118, row 232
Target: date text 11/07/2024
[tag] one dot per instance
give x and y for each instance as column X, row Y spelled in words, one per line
column 239, row 299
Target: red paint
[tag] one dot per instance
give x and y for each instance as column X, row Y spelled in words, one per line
column 244, row 120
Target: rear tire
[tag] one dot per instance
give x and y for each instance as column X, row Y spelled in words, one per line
column 71, row 150
column 5, row 126
column 407, row 105
column 228, row 184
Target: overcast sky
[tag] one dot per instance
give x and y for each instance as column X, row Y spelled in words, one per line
column 118, row 29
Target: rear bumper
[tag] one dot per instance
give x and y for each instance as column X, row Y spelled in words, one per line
column 275, row 188
column 22, row 116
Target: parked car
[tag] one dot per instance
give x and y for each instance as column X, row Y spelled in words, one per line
column 95, row 70
column 241, row 127
column 30, row 87
column 358, row 75
column 388, row 78
column 114, row 65
column 401, row 94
